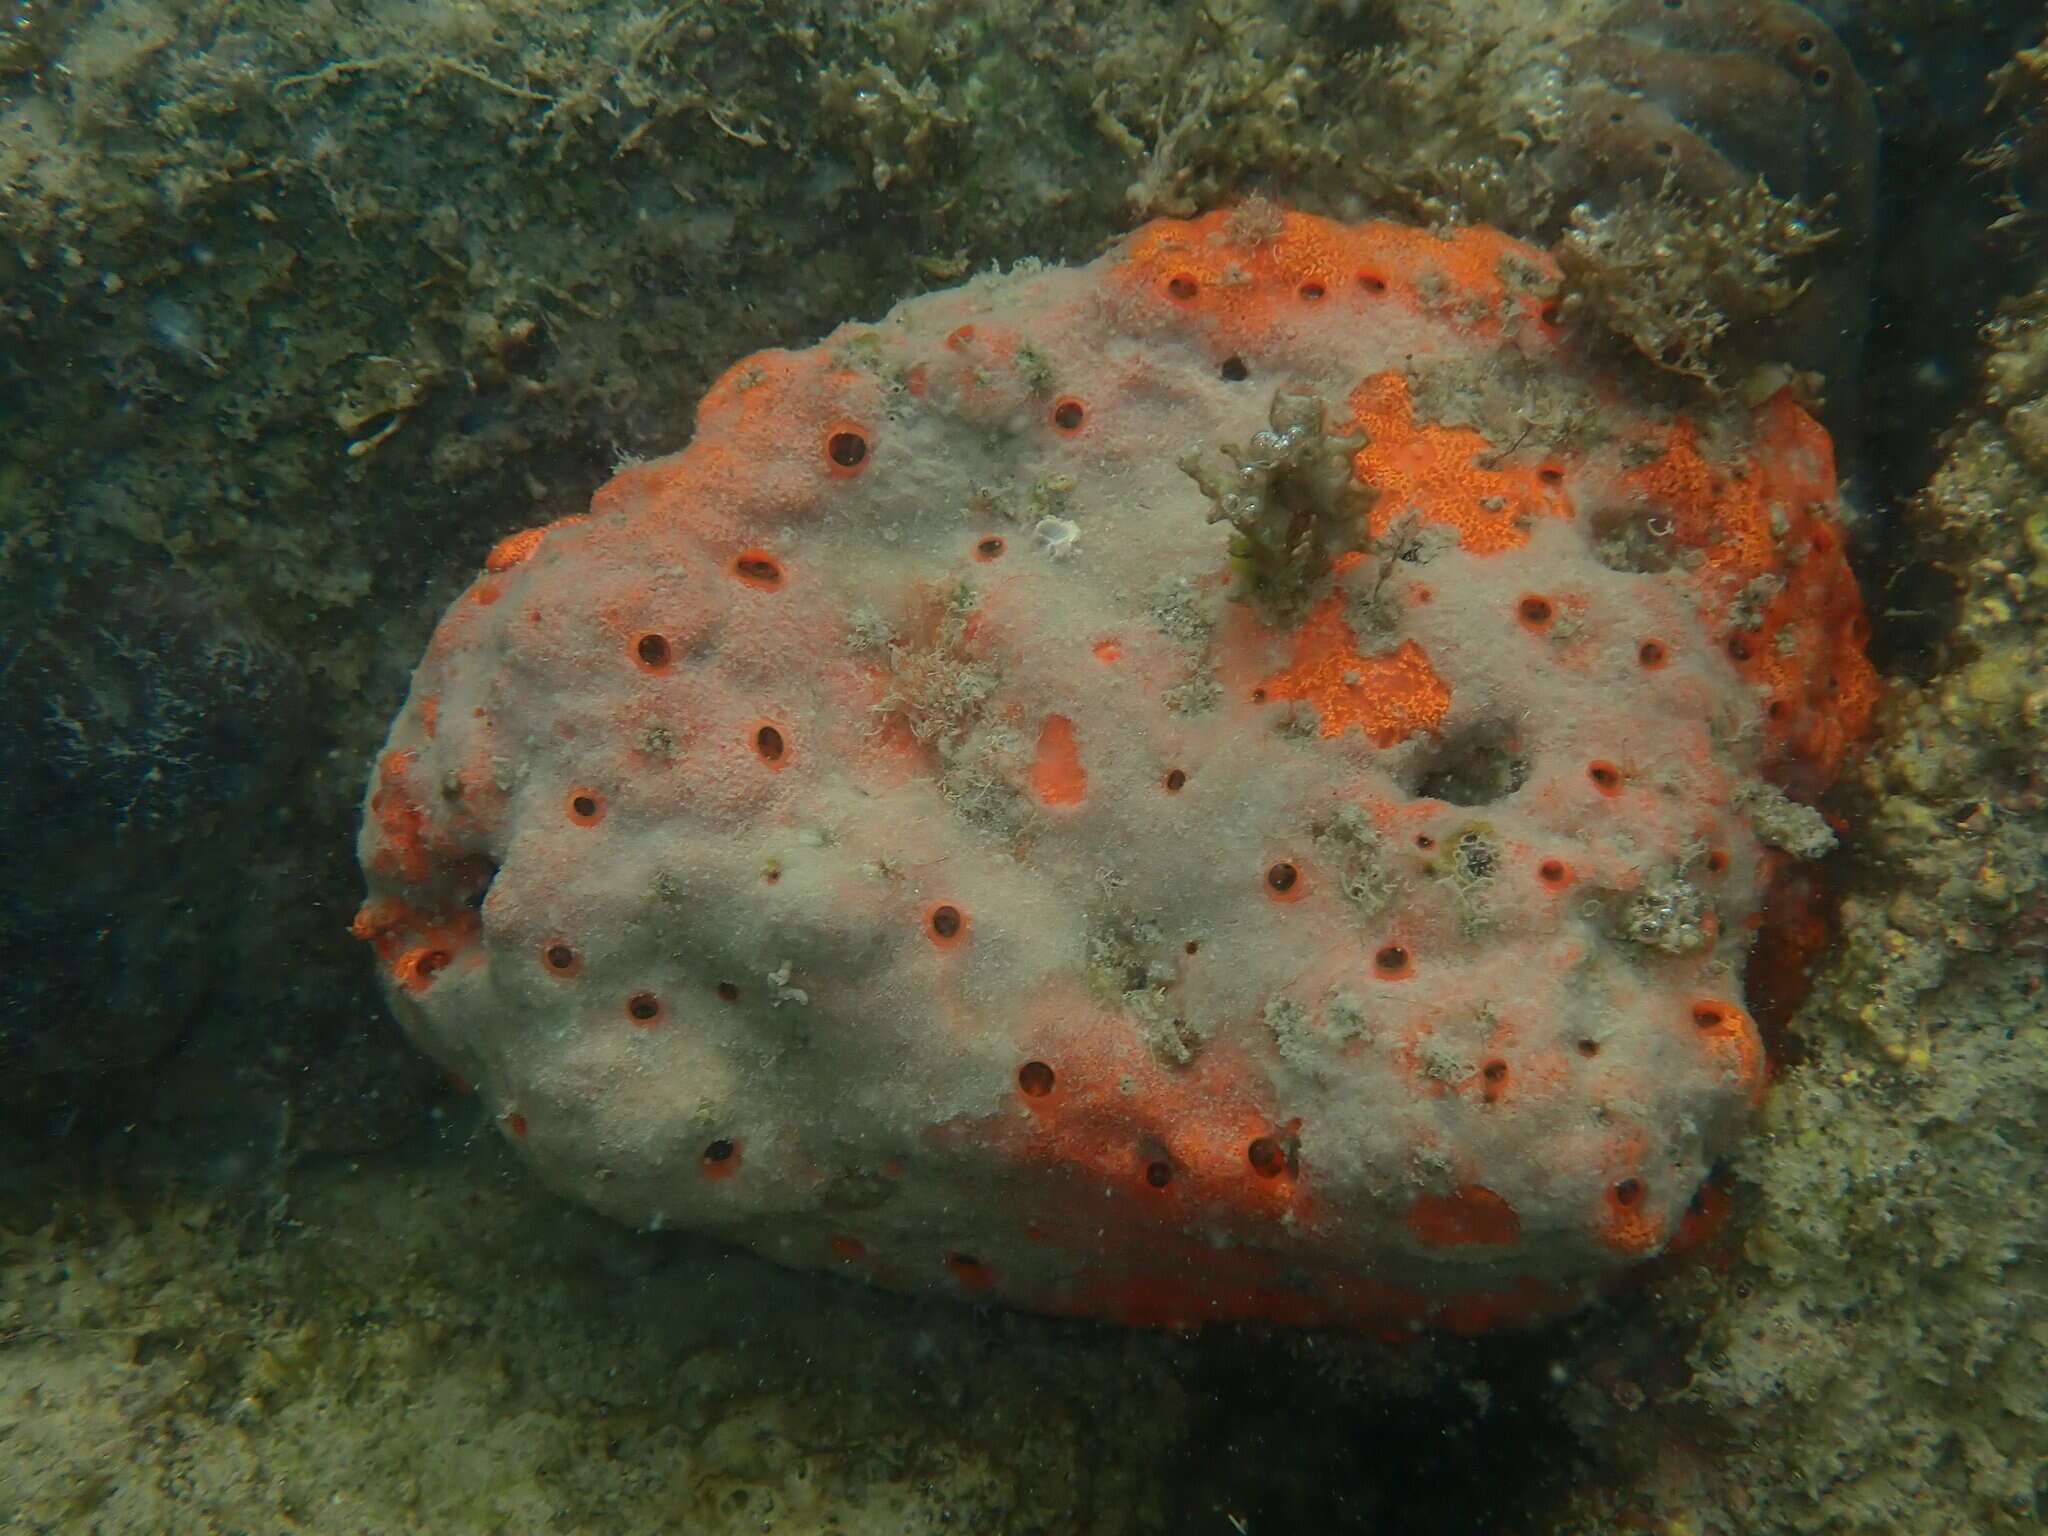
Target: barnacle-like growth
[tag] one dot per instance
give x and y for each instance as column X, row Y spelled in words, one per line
column 1669, row 913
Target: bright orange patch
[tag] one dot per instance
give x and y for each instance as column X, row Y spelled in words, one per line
column 1390, row 697
column 1627, row 1226
column 1439, row 472
column 1248, row 286
column 517, row 548
column 1770, row 517
column 416, row 969
column 1057, row 777
column 374, row 919
column 401, row 822
column 1732, row 1037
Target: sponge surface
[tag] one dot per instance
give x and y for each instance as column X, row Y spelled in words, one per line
column 1234, row 781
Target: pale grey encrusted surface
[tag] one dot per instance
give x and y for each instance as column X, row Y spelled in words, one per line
column 497, row 244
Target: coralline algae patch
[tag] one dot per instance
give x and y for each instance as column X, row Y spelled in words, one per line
column 1129, row 791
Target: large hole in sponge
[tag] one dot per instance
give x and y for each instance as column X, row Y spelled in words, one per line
column 1476, row 766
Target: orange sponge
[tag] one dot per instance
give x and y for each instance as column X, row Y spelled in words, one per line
column 1236, row 781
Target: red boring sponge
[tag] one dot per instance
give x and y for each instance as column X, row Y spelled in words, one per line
column 1235, row 781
